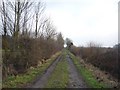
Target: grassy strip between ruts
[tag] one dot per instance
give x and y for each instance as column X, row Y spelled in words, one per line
column 87, row 75
column 21, row 80
column 59, row 77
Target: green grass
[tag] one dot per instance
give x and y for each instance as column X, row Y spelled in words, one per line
column 20, row 80
column 87, row 75
column 59, row 77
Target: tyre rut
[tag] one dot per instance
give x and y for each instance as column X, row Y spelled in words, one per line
column 42, row 80
column 75, row 79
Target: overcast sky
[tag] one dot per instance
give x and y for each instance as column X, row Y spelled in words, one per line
column 85, row 20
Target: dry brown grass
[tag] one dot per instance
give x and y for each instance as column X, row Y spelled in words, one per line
column 101, row 76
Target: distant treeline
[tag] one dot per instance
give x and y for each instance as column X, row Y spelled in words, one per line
column 107, row 59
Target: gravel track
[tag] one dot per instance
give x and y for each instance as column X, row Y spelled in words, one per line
column 42, row 80
column 75, row 79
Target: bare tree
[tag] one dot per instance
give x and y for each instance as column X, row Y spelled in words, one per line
column 39, row 8
column 49, row 30
column 26, row 50
column 17, row 8
column 12, row 15
column 4, row 19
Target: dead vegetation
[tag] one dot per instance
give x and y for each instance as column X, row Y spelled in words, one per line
column 28, row 36
column 102, row 61
column 101, row 76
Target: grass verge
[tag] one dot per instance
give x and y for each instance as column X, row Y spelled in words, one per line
column 87, row 75
column 22, row 79
column 59, row 77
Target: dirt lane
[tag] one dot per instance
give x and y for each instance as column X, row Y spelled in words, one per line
column 75, row 80
column 41, row 81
